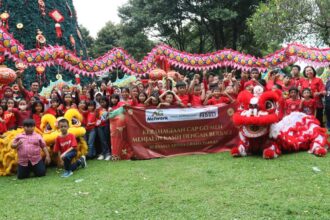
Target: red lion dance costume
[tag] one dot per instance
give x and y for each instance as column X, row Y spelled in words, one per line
column 264, row 130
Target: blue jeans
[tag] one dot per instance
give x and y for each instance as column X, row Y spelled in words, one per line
column 38, row 169
column 103, row 132
column 90, row 138
column 67, row 159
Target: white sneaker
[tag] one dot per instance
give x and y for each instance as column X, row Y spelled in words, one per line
column 107, row 157
column 100, row 157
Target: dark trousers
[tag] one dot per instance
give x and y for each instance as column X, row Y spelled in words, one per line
column 103, row 132
column 327, row 113
column 67, row 159
column 38, row 169
column 319, row 116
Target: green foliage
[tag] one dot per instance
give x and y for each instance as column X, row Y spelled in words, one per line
column 281, row 20
column 194, row 26
column 125, row 36
column 89, row 40
column 29, row 14
column 214, row 186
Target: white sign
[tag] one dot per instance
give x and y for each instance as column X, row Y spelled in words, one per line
column 181, row 114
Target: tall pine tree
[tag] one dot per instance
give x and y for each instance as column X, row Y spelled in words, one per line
column 27, row 16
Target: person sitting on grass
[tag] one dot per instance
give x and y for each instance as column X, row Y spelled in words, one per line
column 28, row 146
column 66, row 147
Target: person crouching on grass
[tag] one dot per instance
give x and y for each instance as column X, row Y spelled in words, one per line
column 66, row 146
column 28, row 146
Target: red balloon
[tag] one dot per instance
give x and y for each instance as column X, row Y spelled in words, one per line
column 7, row 75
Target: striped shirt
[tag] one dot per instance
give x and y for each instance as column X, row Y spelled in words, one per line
column 30, row 148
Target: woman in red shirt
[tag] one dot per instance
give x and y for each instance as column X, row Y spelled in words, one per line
column 317, row 88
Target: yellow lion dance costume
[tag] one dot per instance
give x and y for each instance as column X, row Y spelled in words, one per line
column 49, row 132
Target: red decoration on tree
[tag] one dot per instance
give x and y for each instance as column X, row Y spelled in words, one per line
column 4, row 19
column 58, row 30
column 40, row 70
column 41, row 40
column 56, row 16
column 77, row 79
column 73, row 42
column 42, row 7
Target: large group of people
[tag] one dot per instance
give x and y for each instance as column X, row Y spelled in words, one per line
column 301, row 92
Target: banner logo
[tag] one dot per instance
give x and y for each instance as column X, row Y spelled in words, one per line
column 181, row 114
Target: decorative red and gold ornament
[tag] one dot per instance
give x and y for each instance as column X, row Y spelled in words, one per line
column 20, row 66
column 41, row 40
column 57, row 17
column 40, row 70
column 42, row 7
column 4, row 19
column 73, row 42
column 7, row 75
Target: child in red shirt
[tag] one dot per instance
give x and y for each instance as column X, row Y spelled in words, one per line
column 293, row 103
column 217, row 98
column 103, row 128
column 91, row 129
column 37, row 112
column 82, row 108
column 197, row 96
column 22, row 113
column 308, row 104
column 68, row 102
column 182, row 94
column 3, row 127
column 66, row 147
column 9, row 115
column 169, row 99
column 54, row 108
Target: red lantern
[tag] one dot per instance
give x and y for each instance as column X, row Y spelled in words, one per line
column 40, row 70
column 157, row 74
column 7, row 75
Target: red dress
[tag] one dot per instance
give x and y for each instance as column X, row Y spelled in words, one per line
column 292, row 106
column 309, row 107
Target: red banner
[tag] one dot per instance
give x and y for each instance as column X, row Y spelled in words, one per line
column 153, row 133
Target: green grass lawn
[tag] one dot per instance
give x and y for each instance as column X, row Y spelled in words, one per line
column 214, row 186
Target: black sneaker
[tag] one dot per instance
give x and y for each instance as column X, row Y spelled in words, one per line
column 83, row 162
